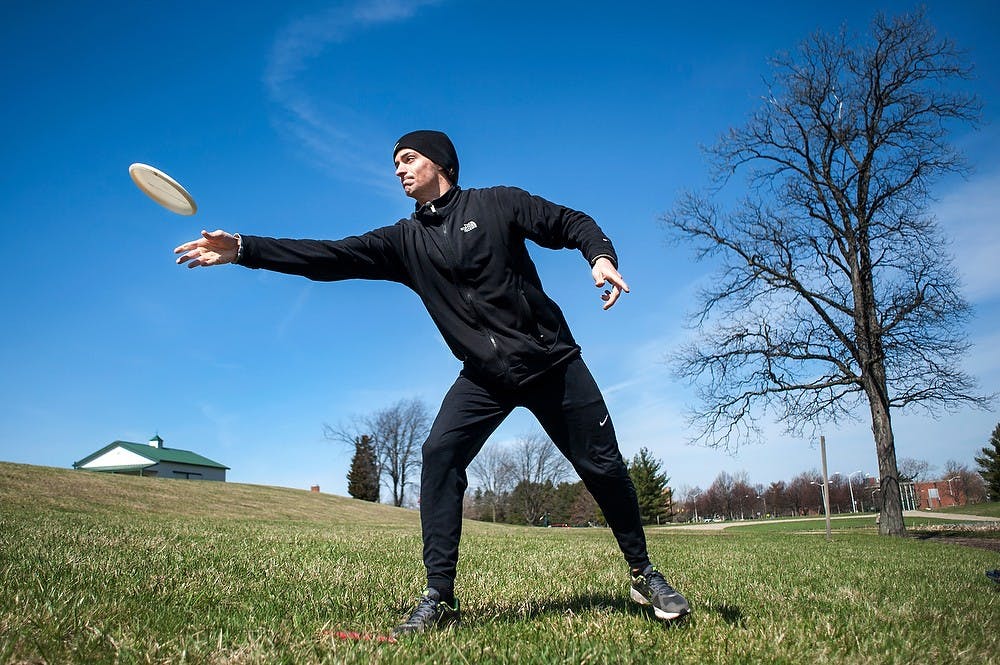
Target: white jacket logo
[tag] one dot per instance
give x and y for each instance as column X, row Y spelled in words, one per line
column 468, row 226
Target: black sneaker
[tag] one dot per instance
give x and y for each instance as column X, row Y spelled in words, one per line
column 649, row 588
column 430, row 614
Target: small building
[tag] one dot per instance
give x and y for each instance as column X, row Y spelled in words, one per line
column 152, row 459
column 940, row 494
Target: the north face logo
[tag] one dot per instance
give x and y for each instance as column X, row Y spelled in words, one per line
column 468, row 226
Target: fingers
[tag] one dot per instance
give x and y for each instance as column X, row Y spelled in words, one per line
column 207, row 250
column 606, row 274
column 194, row 244
column 610, row 297
column 617, row 281
column 198, row 257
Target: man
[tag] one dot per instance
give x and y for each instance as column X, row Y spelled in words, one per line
column 463, row 252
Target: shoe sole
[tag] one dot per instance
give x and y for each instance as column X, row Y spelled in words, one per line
column 660, row 614
column 451, row 625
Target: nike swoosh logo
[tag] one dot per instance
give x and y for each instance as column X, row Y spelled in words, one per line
column 604, row 422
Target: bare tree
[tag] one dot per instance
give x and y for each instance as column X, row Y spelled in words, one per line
column 802, row 493
column 397, row 433
column 537, row 460
column 719, row 495
column 964, row 484
column 743, row 495
column 493, row 468
column 537, row 467
column 835, row 289
column 913, row 470
column 839, row 493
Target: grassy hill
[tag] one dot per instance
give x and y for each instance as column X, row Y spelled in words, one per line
column 116, row 569
column 84, row 492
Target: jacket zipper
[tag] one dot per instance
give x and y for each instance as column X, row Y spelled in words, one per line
column 467, row 293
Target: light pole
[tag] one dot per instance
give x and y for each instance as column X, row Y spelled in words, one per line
column 694, row 500
column 854, row 507
column 763, row 514
column 953, row 499
column 822, row 494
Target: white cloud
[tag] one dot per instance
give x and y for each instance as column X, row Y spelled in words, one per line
column 968, row 214
column 224, row 423
column 294, row 309
column 329, row 133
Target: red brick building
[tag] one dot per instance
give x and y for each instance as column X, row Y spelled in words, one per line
column 940, row 494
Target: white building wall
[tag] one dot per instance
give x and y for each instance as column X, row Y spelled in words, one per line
column 117, row 456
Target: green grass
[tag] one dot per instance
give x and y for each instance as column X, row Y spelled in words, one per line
column 114, row 569
column 866, row 522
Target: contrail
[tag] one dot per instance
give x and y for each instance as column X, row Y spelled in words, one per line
column 326, row 134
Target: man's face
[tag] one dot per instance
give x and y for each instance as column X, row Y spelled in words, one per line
column 421, row 178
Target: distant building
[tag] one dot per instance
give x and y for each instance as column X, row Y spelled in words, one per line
column 152, row 459
column 940, row 494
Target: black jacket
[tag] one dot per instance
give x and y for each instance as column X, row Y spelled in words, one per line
column 464, row 255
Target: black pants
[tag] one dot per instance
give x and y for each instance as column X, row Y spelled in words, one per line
column 571, row 410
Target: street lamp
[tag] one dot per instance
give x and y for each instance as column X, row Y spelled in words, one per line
column 763, row 501
column 822, row 494
column 694, row 500
column 854, row 507
column 954, row 500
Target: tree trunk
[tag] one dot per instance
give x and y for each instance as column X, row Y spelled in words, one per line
column 891, row 505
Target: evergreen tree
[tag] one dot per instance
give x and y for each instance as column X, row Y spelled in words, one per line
column 363, row 478
column 989, row 465
column 531, row 503
column 650, row 485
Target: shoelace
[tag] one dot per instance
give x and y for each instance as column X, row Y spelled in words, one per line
column 424, row 610
column 658, row 583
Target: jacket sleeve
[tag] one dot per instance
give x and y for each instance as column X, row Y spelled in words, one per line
column 556, row 227
column 373, row 255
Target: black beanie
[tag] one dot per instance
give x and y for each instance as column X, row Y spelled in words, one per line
column 435, row 146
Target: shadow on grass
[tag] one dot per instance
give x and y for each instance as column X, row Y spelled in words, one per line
column 730, row 614
column 987, row 540
column 600, row 603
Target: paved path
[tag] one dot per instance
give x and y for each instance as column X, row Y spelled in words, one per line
column 950, row 516
column 719, row 526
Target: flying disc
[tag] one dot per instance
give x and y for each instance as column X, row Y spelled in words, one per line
column 163, row 189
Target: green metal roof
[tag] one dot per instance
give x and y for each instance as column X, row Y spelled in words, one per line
column 155, row 454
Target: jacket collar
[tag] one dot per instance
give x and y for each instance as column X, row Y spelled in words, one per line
column 436, row 209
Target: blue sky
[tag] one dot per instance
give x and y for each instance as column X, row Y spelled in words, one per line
column 280, row 119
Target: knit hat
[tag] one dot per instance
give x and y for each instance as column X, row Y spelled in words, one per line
column 435, row 146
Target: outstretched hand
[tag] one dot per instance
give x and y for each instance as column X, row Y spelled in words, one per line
column 211, row 249
column 604, row 272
